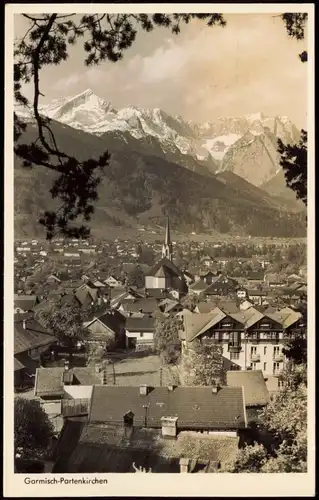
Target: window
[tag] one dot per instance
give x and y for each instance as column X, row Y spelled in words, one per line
column 253, row 366
column 141, row 335
column 253, row 351
column 276, row 367
column 265, row 350
column 254, row 335
column 265, row 367
column 234, row 355
column 276, row 350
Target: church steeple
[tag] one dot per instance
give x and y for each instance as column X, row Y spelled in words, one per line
column 167, row 250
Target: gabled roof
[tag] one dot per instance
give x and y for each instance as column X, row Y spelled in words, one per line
column 193, row 323
column 228, row 306
column 199, row 285
column 289, row 316
column 165, row 266
column 197, row 324
column 146, row 306
column 255, row 389
column 25, row 304
column 17, row 365
column 256, row 292
column 50, row 381
column 85, row 297
column 205, row 307
column 195, row 407
column 253, row 316
column 143, row 324
column 106, row 449
column 256, row 275
column 188, row 274
column 112, row 320
column 274, row 278
column 33, row 336
column 117, row 292
column 172, row 305
column 156, row 293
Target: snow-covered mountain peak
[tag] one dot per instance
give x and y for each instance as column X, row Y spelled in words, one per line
column 255, row 117
column 215, row 142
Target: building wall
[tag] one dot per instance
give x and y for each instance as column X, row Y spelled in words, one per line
column 266, row 351
column 78, row 391
column 154, row 282
column 140, row 335
column 148, row 336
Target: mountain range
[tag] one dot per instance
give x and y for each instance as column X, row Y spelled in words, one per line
column 209, row 176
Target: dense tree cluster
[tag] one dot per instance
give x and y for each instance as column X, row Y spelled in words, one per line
column 166, row 338
column 32, row 429
column 203, row 365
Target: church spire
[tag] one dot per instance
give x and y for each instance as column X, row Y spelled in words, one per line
column 167, row 250
column 167, row 234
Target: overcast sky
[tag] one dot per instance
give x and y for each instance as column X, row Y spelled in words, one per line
column 249, row 66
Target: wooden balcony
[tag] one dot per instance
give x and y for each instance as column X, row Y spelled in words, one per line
column 277, row 373
column 255, row 358
column 234, row 347
column 278, row 357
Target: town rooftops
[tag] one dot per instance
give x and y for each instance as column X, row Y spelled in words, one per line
column 144, row 324
column 205, row 307
column 195, row 407
column 50, row 381
column 257, row 292
column 274, row 278
column 107, row 449
column 255, row 389
column 164, row 267
column 25, row 302
column 196, row 324
column 29, row 334
column 198, row 286
column 256, row 276
column 112, row 319
column 146, row 306
column 17, row 365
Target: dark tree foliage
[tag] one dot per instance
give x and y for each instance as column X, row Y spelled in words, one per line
column 135, row 278
column 296, row 351
column 45, row 43
column 294, row 163
column 32, row 428
column 294, row 156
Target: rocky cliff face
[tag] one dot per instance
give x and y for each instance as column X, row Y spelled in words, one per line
column 244, row 145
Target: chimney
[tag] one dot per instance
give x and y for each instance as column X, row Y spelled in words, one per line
column 169, row 427
column 215, row 387
column 184, row 464
column 24, row 324
column 143, row 390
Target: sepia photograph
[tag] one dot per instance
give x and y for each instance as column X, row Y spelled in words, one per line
column 157, row 196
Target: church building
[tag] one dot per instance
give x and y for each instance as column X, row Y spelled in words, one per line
column 164, row 274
